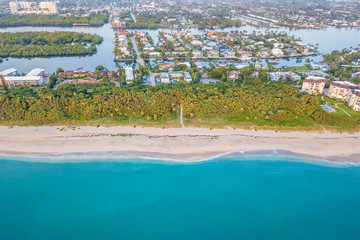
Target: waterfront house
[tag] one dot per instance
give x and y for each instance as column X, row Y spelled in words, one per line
column 202, row 65
column 356, row 62
column 233, row 75
column 164, row 77
column 277, row 52
column 197, row 54
column 319, row 66
column 355, row 75
column 317, row 73
column 144, row 39
column 213, row 53
column 244, row 55
column 228, row 53
column 164, row 66
column 240, row 66
column 129, row 75
column 196, row 43
column 314, row 85
column 154, row 54
column 207, row 80
column 187, row 77
column 276, row 76
column 221, row 63
column 341, row 90
column 187, row 64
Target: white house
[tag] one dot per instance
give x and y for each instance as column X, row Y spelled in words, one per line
column 276, row 76
column 129, row 75
column 164, row 77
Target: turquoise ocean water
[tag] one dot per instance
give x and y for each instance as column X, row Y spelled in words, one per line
column 258, row 197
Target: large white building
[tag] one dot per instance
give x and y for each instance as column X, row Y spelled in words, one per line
column 22, row 8
column 314, row 85
column 36, row 76
column 341, row 90
column 354, row 100
column 129, row 75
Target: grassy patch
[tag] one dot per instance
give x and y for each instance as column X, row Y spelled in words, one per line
column 300, row 68
column 341, row 105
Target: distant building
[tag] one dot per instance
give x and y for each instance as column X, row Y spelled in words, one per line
column 164, row 77
column 196, row 43
column 9, row 72
column 207, row 80
column 36, row 76
column 202, row 65
column 317, row 73
column 355, row 75
column 129, row 75
column 233, row 75
column 187, row 77
column 197, row 54
column 277, row 52
column 314, row 85
column 164, row 66
column 228, row 53
column 319, row 66
column 22, row 8
column 276, row 76
column 341, row 90
column 354, row 100
column 213, row 53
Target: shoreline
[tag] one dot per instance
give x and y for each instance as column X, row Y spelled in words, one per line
column 175, row 144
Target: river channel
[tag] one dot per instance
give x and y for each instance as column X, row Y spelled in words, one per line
column 327, row 39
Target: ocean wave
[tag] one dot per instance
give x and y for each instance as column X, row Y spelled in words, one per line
column 126, row 156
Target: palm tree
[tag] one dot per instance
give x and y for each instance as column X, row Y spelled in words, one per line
column 3, row 83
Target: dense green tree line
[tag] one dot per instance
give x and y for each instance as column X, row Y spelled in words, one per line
column 265, row 103
column 34, row 44
column 51, row 20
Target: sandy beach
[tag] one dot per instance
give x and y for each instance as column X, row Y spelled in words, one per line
column 186, row 144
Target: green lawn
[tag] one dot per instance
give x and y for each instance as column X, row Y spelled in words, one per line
column 341, row 105
column 345, row 107
column 300, row 68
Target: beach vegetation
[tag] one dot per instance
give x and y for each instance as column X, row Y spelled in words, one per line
column 262, row 104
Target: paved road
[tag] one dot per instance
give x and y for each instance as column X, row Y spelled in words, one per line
column 152, row 79
column 133, row 17
column 116, row 83
column 56, row 86
column 336, row 105
column 181, row 116
column 139, row 60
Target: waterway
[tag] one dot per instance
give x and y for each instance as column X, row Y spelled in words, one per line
column 327, row 39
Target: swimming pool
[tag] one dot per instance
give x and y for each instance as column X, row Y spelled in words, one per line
column 328, row 109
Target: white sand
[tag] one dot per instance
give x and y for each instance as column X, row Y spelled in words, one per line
column 188, row 144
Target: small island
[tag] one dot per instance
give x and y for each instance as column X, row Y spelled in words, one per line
column 46, row 44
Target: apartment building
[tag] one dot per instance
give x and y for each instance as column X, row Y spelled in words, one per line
column 36, row 76
column 22, row 8
column 354, row 100
column 341, row 90
column 314, row 85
